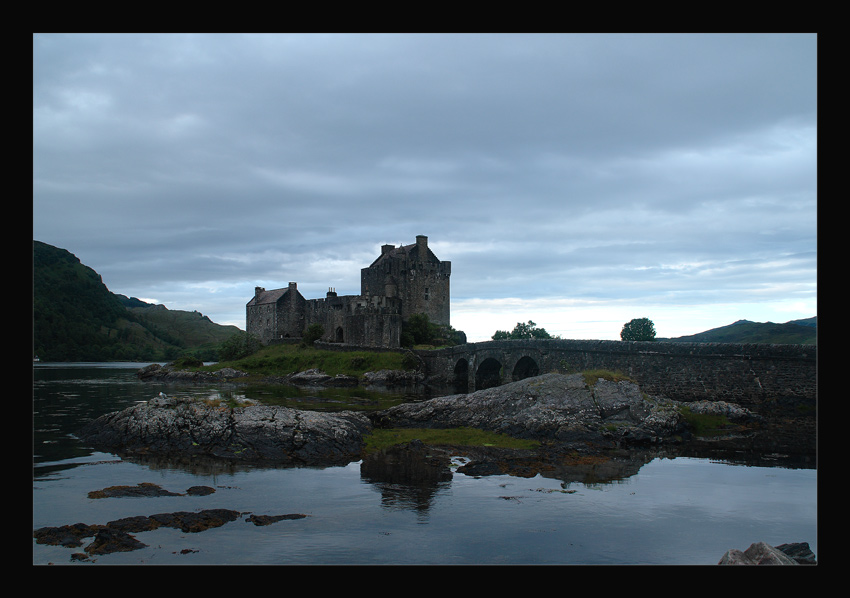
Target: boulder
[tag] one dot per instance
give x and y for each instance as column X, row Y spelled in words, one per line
column 170, row 373
column 390, row 378
column 731, row 411
column 184, row 427
column 761, row 553
column 553, row 407
column 316, row 377
column 800, row 552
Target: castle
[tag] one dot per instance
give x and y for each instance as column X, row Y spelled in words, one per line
column 401, row 282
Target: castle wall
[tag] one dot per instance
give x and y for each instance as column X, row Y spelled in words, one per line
column 261, row 321
column 414, row 275
column 291, row 314
column 402, row 282
column 277, row 314
column 357, row 319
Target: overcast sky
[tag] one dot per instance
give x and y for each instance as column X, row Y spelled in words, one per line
column 577, row 180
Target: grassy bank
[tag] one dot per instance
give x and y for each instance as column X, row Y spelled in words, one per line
column 282, row 360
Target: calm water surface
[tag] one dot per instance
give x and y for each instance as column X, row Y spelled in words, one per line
column 672, row 511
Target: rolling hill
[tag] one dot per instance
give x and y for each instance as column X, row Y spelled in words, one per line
column 77, row 318
column 795, row 332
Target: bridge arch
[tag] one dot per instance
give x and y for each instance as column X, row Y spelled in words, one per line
column 525, row 367
column 488, row 374
column 746, row 374
column 461, row 376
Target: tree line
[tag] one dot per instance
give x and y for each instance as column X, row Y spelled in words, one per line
column 638, row 329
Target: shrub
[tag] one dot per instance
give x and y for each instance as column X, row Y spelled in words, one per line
column 187, row 361
column 239, row 346
column 313, row 333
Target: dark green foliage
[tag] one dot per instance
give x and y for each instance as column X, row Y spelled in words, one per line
column 419, row 330
column 313, row 333
column 285, row 359
column 457, row 337
column 239, row 346
column 527, row 330
column 410, row 361
column 77, row 318
column 639, row 329
column 188, row 362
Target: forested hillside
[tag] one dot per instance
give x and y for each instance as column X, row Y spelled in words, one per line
column 797, row 332
column 77, row 318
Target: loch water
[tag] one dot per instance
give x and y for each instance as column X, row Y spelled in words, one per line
column 663, row 511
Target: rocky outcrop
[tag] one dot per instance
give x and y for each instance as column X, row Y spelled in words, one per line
column 552, row 407
column 761, row 553
column 169, row 373
column 179, row 427
column 393, row 378
column 117, row 536
column 316, row 377
column 562, row 409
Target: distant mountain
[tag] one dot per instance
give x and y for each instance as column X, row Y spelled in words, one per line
column 796, row 332
column 77, row 318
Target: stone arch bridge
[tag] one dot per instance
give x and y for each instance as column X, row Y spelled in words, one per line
column 748, row 374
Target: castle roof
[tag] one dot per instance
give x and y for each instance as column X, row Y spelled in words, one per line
column 412, row 252
column 263, row 297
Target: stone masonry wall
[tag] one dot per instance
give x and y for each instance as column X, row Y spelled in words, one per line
column 748, row 374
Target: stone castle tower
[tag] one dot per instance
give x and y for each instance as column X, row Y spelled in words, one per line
column 401, row 282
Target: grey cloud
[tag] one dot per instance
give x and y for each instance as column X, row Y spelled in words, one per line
column 586, row 165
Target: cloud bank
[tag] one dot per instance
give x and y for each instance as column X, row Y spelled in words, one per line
column 576, row 180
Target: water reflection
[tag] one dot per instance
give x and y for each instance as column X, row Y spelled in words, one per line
column 408, row 477
column 415, row 506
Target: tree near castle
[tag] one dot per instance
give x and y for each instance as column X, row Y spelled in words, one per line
column 419, row 330
column 522, row 331
column 639, row 329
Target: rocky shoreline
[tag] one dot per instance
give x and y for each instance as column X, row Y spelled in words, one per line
column 118, row 535
column 556, row 409
column 598, row 429
column 313, row 377
column 761, row 553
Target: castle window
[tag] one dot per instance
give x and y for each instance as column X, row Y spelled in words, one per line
column 427, row 294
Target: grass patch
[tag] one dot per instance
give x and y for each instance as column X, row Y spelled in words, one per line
column 381, row 439
column 354, row 398
column 282, row 360
column 591, row 377
column 704, row 424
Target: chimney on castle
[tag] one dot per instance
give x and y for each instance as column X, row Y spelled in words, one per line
column 422, row 242
column 386, row 248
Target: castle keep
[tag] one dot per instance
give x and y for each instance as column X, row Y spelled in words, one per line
column 401, row 282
